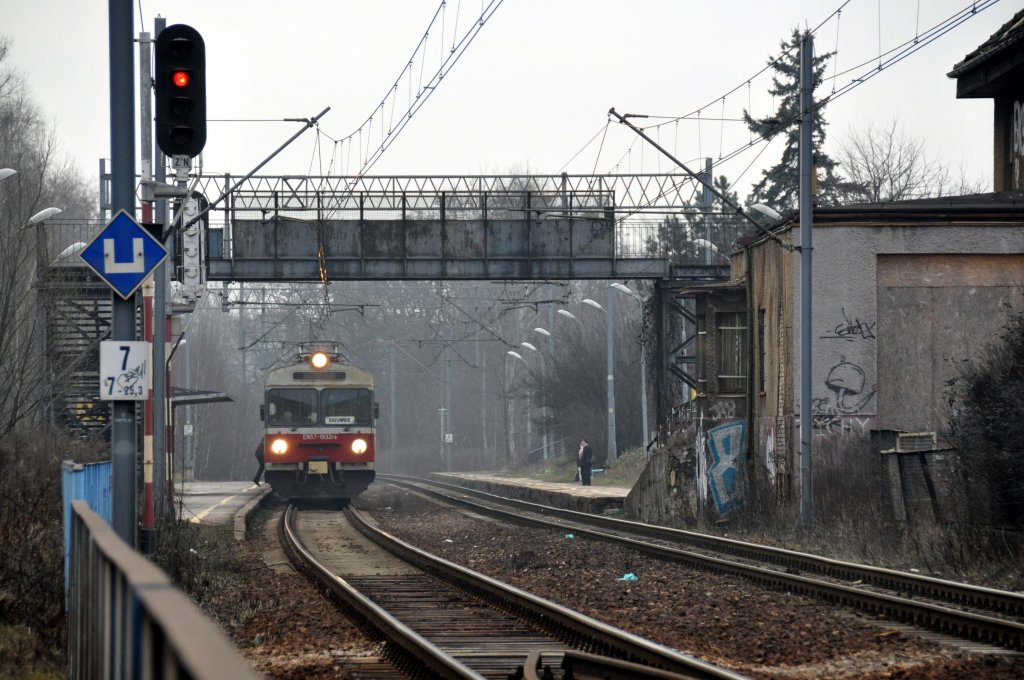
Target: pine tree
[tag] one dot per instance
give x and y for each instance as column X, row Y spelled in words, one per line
column 780, row 185
column 682, row 240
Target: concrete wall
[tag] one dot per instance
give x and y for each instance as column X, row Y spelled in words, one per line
column 665, row 493
column 847, row 316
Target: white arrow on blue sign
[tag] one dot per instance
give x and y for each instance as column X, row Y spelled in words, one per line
column 123, row 254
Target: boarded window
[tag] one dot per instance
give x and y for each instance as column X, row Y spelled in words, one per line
column 732, row 347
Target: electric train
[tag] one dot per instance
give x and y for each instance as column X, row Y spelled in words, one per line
column 319, row 419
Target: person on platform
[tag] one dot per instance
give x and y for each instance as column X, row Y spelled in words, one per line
column 259, row 459
column 586, row 461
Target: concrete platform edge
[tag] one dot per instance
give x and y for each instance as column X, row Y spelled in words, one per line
column 559, row 498
column 241, row 524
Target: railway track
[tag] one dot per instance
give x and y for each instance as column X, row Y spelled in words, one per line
column 974, row 613
column 444, row 620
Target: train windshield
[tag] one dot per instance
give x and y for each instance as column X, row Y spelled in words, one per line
column 291, row 407
column 347, row 407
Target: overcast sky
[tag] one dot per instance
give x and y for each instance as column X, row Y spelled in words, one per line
column 528, row 94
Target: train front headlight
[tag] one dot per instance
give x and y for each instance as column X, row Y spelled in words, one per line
column 319, row 360
column 279, row 446
column 359, row 446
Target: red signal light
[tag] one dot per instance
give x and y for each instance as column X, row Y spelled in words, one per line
column 180, row 78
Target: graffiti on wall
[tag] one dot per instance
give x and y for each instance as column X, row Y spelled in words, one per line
column 727, row 444
column 848, row 395
column 848, row 390
column 769, row 455
column 830, row 423
column 851, row 329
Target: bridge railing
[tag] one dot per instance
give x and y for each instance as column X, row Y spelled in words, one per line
column 127, row 620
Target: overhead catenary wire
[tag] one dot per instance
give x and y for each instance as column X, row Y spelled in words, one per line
column 369, row 154
column 888, row 59
column 876, row 63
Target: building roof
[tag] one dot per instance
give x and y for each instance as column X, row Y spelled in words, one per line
column 993, row 200
column 1003, row 207
column 994, row 66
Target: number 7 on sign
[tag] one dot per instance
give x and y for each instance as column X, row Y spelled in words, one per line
column 124, row 370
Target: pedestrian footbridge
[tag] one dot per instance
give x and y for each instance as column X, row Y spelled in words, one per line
column 431, row 228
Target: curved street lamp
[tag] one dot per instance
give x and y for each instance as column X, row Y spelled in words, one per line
column 569, row 315
column 766, row 211
column 43, row 215
column 7, row 172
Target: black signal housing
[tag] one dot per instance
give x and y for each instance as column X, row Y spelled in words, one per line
column 180, row 86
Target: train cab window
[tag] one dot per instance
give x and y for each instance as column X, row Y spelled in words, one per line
column 347, row 407
column 291, row 407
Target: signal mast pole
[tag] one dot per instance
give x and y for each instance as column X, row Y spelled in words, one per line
column 122, row 197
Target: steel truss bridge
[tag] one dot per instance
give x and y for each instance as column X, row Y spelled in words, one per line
column 426, row 227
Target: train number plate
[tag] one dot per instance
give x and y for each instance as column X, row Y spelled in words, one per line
column 318, row 467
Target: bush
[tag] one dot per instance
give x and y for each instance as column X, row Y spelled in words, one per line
column 206, row 563
column 987, row 427
column 32, row 560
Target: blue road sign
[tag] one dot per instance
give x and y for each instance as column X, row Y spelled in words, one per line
column 123, row 254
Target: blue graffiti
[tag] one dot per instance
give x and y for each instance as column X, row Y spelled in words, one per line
column 727, row 444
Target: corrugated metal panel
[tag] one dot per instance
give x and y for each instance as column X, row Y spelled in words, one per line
column 90, row 483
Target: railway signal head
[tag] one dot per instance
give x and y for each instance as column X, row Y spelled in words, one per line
column 180, row 84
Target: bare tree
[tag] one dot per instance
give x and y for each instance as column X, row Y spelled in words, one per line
column 43, row 179
column 885, row 163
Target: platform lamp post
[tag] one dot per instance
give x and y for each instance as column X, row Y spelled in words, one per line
column 547, row 334
column 543, row 371
column 519, row 357
column 37, row 220
column 643, row 363
column 610, row 347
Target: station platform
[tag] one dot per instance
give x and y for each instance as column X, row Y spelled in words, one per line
column 221, row 503
column 570, row 495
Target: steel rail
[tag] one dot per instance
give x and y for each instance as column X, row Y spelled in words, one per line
column 573, row 625
column 411, row 642
column 981, row 597
column 974, row 626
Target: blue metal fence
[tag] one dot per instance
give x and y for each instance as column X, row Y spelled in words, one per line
column 84, row 482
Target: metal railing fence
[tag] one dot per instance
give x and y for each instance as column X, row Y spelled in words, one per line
column 126, row 619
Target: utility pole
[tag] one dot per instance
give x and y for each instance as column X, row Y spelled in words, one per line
column 806, row 224
column 150, row 316
column 122, row 197
column 610, row 327
column 447, row 420
column 545, row 366
column 392, row 441
column 161, row 321
column 190, row 428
